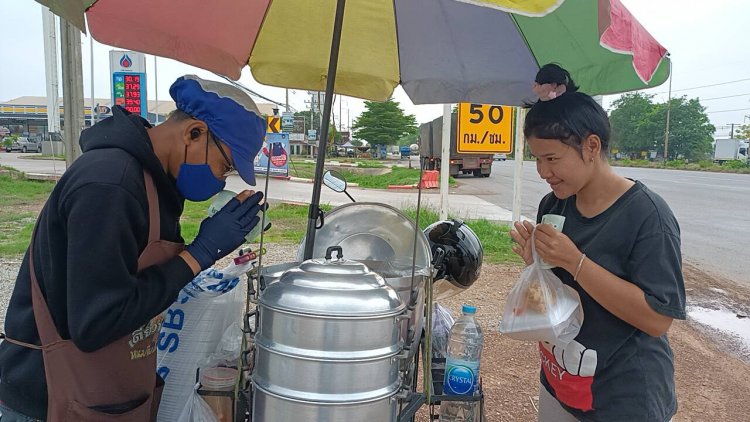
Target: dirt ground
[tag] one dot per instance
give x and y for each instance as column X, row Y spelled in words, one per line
column 712, row 373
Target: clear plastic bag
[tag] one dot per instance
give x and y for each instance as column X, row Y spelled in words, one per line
column 228, row 350
column 197, row 410
column 541, row 308
column 196, row 326
column 212, row 282
column 442, row 321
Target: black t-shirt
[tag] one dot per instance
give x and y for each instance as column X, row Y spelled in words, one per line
column 613, row 371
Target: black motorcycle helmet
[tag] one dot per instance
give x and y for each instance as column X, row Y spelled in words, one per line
column 462, row 253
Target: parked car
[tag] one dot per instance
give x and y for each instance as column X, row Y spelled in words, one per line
column 500, row 157
column 24, row 145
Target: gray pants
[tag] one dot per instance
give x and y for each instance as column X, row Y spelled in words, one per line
column 10, row 415
column 550, row 409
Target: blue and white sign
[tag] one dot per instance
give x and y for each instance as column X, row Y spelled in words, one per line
column 287, row 121
column 276, row 151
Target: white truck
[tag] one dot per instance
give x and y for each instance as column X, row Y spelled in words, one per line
column 730, row 150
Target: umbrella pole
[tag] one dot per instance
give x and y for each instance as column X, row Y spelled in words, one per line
column 312, row 215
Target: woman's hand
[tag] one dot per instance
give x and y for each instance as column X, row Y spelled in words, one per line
column 556, row 249
column 522, row 236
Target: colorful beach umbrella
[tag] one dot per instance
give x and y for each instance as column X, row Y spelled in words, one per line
column 440, row 51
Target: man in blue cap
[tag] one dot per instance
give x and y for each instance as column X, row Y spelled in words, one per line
column 107, row 258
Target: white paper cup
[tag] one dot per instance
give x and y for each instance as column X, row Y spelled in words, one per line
column 557, row 222
column 225, row 196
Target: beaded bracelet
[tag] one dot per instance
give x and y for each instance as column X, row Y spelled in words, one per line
column 578, row 268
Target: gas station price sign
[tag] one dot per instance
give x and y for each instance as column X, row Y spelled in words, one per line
column 129, row 91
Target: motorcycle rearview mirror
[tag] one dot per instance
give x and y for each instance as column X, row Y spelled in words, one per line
column 336, row 182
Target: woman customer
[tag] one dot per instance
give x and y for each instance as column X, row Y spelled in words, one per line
column 620, row 250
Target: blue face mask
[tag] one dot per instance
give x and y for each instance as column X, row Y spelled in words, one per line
column 196, row 182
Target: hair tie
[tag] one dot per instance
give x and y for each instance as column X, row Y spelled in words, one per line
column 547, row 92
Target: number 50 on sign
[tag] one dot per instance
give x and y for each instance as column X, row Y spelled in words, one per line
column 484, row 128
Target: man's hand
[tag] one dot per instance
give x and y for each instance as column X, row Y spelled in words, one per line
column 225, row 231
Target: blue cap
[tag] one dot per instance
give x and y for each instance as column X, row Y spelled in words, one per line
column 468, row 309
column 231, row 115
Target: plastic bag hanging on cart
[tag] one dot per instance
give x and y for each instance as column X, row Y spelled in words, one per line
column 197, row 410
column 541, row 308
column 212, row 282
column 193, row 327
column 442, row 321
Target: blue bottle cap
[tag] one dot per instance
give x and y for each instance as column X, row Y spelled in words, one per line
column 468, row 309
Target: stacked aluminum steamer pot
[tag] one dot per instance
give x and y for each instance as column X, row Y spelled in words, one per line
column 336, row 334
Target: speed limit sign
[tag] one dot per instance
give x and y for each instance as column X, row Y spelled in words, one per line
column 484, row 128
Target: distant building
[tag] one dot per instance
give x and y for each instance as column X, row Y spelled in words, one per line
column 28, row 115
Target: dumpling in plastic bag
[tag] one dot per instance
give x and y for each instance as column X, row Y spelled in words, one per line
column 541, row 308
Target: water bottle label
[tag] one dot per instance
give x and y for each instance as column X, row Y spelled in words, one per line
column 461, row 377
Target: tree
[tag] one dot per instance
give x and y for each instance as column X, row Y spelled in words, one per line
column 628, row 121
column 690, row 131
column 638, row 125
column 312, row 119
column 743, row 132
column 383, row 123
column 408, row 139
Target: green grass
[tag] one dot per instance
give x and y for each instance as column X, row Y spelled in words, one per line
column 495, row 237
column 16, row 224
column 45, row 157
column 15, row 232
column 192, row 216
column 16, row 190
column 289, row 223
column 397, row 176
column 701, row 165
column 302, row 169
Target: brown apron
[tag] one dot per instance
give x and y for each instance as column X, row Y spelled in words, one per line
column 120, row 377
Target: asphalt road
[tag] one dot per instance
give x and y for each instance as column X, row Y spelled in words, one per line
column 713, row 209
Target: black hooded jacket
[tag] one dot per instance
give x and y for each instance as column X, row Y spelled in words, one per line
column 90, row 234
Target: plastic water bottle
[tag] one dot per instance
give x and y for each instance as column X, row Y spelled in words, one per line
column 225, row 196
column 462, row 368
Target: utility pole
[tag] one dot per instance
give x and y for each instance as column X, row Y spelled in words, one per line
column 445, row 160
column 669, row 107
column 156, row 93
column 49, row 25
column 520, row 144
column 287, row 100
column 91, row 60
column 72, row 75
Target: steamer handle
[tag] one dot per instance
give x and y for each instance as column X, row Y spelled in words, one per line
column 331, row 249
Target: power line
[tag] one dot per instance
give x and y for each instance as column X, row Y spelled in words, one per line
column 705, row 86
column 727, row 96
column 251, row 92
column 727, row 111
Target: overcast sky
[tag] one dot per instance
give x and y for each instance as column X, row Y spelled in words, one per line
column 708, row 41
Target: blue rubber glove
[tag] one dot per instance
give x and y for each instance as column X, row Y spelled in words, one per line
column 225, row 231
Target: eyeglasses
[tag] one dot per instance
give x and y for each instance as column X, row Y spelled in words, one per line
column 230, row 167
